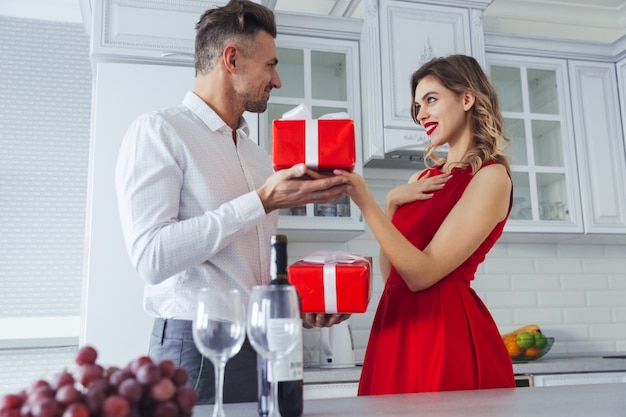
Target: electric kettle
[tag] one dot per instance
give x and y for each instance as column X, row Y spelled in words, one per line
column 337, row 347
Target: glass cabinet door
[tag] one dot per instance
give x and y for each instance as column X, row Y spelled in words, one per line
column 537, row 123
column 317, row 78
column 323, row 75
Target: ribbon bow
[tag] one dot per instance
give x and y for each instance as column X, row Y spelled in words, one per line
column 330, row 259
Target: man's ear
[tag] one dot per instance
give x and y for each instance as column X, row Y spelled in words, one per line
column 229, row 57
column 469, row 98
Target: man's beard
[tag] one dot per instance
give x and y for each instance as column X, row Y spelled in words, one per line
column 257, row 106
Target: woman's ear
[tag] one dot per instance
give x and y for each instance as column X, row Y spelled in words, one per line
column 469, row 98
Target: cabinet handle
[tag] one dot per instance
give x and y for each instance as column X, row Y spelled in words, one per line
column 177, row 54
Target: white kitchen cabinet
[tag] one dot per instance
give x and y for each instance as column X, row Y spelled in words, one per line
column 152, row 30
column 600, row 145
column 592, row 91
column 535, row 105
column 621, row 84
column 323, row 74
column 550, row 380
column 330, row 390
column 398, row 37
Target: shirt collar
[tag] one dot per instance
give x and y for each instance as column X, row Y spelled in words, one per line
column 214, row 122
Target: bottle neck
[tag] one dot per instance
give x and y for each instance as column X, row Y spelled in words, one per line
column 278, row 259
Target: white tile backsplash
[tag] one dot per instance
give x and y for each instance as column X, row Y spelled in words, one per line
column 574, row 292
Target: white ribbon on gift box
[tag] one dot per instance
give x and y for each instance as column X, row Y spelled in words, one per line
column 330, row 260
column 311, row 139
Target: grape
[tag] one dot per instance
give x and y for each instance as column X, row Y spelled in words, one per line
column 89, row 372
column 38, row 384
column 143, row 388
column 137, row 363
column 40, row 393
column 186, row 398
column 168, row 368
column 76, row 410
column 148, row 374
column 86, row 355
column 94, row 400
column 10, row 402
column 181, row 376
column 67, row 394
column 13, row 412
column 45, row 407
column 118, row 376
column 134, row 412
column 165, row 409
column 163, row 390
column 62, row 378
column 115, row 406
column 131, row 389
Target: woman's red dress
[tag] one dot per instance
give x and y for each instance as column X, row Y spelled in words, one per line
column 442, row 338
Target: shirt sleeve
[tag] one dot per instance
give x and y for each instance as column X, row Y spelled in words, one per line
column 149, row 179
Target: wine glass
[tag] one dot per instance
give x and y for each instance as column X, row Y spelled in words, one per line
column 274, row 327
column 218, row 332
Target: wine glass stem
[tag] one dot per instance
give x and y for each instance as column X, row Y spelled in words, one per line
column 274, row 409
column 218, row 409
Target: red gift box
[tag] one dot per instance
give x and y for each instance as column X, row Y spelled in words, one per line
column 323, row 145
column 334, row 284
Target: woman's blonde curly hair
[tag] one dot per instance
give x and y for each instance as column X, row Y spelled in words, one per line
column 461, row 73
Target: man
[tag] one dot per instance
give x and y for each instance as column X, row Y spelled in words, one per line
column 198, row 199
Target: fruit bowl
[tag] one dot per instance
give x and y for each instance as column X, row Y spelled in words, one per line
column 533, row 353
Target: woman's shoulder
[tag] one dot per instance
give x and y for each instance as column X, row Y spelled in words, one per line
column 492, row 175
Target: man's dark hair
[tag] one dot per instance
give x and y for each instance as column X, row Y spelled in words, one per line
column 237, row 22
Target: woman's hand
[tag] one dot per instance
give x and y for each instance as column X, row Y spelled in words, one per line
column 416, row 189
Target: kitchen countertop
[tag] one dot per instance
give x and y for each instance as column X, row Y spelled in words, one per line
column 572, row 363
column 597, row 400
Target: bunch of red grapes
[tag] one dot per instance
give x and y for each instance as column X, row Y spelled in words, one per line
column 143, row 388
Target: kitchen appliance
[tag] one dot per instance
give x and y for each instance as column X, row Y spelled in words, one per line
column 337, row 346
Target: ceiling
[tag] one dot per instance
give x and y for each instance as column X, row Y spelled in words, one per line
column 585, row 20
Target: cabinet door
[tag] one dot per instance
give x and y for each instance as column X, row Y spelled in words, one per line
column 323, row 74
column 600, row 146
column 160, row 30
column 411, row 34
column 534, row 101
column 397, row 37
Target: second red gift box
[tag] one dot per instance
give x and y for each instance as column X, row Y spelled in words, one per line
column 332, row 282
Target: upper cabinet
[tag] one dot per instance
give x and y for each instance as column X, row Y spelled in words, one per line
column 321, row 72
column 535, row 105
column 146, row 30
column 561, row 107
column 398, row 37
column 600, row 145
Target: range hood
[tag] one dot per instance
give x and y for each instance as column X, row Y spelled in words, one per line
column 399, row 159
column 401, row 149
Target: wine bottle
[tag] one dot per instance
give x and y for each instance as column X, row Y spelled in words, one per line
column 289, row 372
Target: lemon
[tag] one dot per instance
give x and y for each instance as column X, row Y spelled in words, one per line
column 540, row 341
column 525, row 340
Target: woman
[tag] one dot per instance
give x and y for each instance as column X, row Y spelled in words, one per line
column 431, row 331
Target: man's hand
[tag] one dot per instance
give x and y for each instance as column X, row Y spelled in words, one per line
column 310, row 320
column 299, row 185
